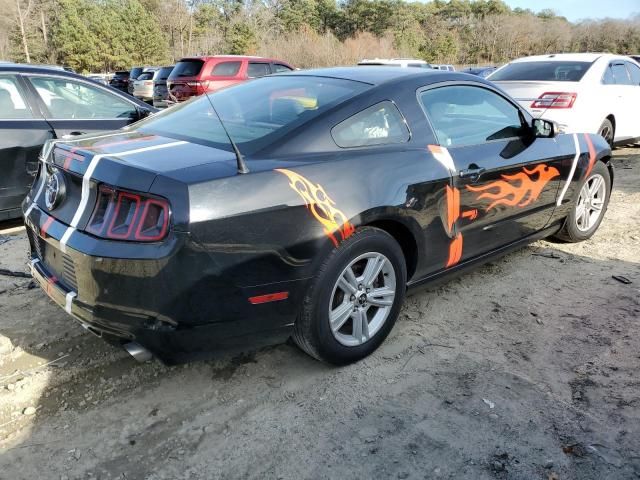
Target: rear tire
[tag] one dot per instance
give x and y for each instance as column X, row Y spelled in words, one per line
column 607, row 131
column 589, row 207
column 342, row 319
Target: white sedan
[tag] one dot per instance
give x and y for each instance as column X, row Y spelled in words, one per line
column 582, row 92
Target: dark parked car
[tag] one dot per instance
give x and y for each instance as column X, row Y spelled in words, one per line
column 160, row 91
column 120, row 81
column 40, row 103
column 342, row 188
column 483, row 72
column 196, row 75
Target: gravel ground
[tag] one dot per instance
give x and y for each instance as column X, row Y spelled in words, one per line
column 525, row 369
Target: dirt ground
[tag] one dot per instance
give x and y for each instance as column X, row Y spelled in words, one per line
column 527, row 368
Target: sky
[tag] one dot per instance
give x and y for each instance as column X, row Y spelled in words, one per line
column 581, row 9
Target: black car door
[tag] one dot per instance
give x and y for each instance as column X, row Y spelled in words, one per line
column 505, row 180
column 23, row 131
column 74, row 107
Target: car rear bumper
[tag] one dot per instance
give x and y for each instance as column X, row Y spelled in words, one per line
column 169, row 300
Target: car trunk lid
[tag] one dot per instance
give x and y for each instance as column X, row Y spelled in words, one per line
column 128, row 160
column 527, row 92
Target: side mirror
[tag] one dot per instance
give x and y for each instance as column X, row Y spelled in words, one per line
column 544, row 128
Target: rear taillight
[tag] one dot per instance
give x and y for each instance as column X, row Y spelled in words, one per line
column 121, row 215
column 555, row 100
column 148, row 83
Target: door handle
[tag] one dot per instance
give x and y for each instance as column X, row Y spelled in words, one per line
column 473, row 172
column 72, row 134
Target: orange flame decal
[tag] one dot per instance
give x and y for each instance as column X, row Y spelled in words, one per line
column 455, row 251
column 321, row 206
column 592, row 154
column 470, row 214
column 519, row 189
column 453, row 206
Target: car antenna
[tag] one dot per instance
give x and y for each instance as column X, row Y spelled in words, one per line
column 242, row 167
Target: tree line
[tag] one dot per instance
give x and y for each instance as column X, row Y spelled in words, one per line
column 106, row 35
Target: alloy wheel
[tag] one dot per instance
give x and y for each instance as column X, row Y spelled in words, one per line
column 590, row 202
column 362, row 299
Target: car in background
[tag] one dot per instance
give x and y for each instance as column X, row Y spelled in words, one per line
column 394, row 62
column 120, row 81
column 39, row 104
column 193, row 76
column 582, row 92
column 160, row 91
column 635, row 58
column 483, row 72
column 304, row 205
column 143, row 86
column 448, row 68
column 135, row 73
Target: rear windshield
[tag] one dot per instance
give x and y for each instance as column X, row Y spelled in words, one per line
column 226, row 69
column 187, row 68
column 542, row 71
column 145, row 76
column 121, row 74
column 164, row 73
column 257, row 113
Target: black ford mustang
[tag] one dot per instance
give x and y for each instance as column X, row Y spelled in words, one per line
column 307, row 212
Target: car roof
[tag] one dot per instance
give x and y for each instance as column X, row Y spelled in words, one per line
column 374, row 75
column 391, row 61
column 27, row 67
column 228, row 57
column 566, row 57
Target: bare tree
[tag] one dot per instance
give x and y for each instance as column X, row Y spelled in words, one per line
column 22, row 14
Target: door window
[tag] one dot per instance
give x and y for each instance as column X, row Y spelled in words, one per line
column 258, row 70
column 634, row 73
column 467, row 115
column 278, row 68
column 12, row 103
column 380, row 124
column 68, row 99
column 620, row 74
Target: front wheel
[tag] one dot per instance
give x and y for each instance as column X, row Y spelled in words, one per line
column 588, row 210
column 355, row 299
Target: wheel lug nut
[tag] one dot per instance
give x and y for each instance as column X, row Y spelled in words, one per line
column 368, row 290
column 353, row 297
column 360, row 287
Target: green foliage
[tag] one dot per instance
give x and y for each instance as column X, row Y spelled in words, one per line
column 99, row 35
column 241, row 40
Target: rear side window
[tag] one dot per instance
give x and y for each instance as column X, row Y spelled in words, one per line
column 12, row 103
column 634, row 73
column 380, row 124
column 187, row 68
column 465, row 115
column 553, row 71
column 258, row 70
column 226, row 69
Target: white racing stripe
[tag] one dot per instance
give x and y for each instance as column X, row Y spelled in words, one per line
column 68, row 301
column 86, row 186
column 572, row 172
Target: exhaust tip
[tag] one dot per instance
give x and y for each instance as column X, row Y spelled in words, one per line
column 138, row 352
